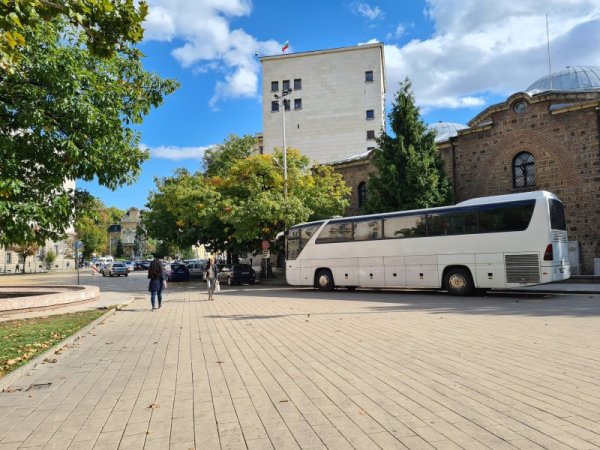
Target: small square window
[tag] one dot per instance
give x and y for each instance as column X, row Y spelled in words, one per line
column 370, row 114
column 274, row 106
column 297, row 84
column 369, row 75
column 274, row 86
column 370, row 134
column 297, row 103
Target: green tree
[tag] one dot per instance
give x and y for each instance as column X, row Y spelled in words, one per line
column 410, row 172
column 91, row 226
column 50, row 258
column 241, row 201
column 107, row 24
column 119, row 251
column 139, row 242
column 67, row 114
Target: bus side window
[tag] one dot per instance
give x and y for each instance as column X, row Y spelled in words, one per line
column 335, row 232
column 404, row 227
column 365, row 230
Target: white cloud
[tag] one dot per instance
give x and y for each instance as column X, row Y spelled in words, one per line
column 367, row 11
column 499, row 49
column 177, row 153
column 398, row 33
column 209, row 43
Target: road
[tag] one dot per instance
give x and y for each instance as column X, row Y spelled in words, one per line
column 283, row 368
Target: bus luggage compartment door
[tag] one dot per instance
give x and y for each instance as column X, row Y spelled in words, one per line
column 422, row 271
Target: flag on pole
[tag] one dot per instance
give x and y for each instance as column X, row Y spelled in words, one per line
column 286, row 44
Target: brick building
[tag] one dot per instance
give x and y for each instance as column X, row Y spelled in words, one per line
column 546, row 137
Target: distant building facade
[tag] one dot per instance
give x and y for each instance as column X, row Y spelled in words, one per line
column 336, row 106
column 124, row 232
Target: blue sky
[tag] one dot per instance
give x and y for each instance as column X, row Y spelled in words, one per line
column 461, row 55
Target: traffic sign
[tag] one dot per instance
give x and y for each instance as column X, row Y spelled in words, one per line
column 266, row 254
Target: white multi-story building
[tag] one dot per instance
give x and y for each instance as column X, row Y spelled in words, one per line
column 336, row 105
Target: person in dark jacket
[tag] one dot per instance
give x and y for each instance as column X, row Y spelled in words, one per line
column 157, row 282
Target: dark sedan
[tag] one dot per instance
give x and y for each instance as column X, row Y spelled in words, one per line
column 236, row 274
column 177, row 272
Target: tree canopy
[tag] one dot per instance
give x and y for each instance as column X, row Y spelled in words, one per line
column 238, row 200
column 410, row 172
column 92, row 225
column 107, row 25
column 68, row 114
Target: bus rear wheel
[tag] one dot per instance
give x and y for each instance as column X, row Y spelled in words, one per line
column 325, row 280
column 458, row 281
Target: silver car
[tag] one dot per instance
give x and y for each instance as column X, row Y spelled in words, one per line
column 115, row 269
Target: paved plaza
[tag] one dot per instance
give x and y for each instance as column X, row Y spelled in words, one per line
column 275, row 367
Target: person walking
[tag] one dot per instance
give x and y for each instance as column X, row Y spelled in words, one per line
column 211, row 277
column 157, row 282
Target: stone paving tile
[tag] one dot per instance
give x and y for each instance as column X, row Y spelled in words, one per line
column 283, row 369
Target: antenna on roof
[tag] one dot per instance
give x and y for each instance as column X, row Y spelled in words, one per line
column 549, row 61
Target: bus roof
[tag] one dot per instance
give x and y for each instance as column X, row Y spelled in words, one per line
column 507, row 198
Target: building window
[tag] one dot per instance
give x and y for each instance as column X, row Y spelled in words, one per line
column 274, row 86
column 369, row 75
column 8, row 257
column 286, row 102
column 523, row 170
column 297, row 84
column 370, row 134
column 362, row 194
column 297, row 103
column 274, row 106
column 285, row 85
column 370, row 114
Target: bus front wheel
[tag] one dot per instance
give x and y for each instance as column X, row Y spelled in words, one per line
column 325, row 280
column 458, row 281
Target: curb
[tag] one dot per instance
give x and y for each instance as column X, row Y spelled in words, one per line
column 6, row 381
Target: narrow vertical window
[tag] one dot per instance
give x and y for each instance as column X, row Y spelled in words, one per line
column 369, row 75
column 274, row 106
column 370, row 114
column 285, row 85
column 362, row 194
column 297, row 84
column 274, row 86
column 297, row 103
column 523, row 170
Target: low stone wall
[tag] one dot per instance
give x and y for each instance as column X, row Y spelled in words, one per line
column 15, row 298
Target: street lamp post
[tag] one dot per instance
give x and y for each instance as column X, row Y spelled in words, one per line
column 281, row 97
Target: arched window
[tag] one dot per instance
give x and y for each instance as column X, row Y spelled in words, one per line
column 362, row 194
column 523, row 170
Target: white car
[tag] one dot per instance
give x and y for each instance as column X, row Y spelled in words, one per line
column 130, row 266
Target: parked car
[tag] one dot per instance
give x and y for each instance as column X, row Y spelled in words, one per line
column 197, row 268
column 236, row 274
column 177, row 272
column 115, row 269
column 129, row 265
column 141, row 265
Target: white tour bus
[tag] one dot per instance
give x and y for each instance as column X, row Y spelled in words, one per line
column 503, row 241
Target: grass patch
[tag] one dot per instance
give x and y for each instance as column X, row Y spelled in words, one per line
column 24, row 339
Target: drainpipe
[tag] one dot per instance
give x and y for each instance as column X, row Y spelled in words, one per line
column 452, row 141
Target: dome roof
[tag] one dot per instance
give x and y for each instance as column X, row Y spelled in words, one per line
column 445, row 130
column 571, row 78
